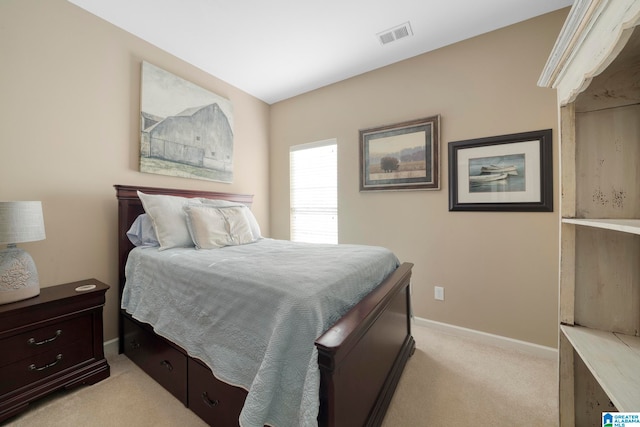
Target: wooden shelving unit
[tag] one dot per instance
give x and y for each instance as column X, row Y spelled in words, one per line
column 595, row 68
column 613, row 360
column 631, row 226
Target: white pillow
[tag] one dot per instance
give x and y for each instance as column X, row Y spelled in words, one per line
column 207, row 227
column 253, row 222
column 214, row 227
column 168, row 217
column 239, row 227
column 142, row 233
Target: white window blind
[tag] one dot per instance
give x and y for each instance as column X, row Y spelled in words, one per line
column 314, row 192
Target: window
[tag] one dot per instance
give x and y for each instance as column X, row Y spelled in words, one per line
column 314, row 192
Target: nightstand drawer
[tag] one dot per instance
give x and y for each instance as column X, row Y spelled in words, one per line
column 43, row 366
column 217, row 403
column 54, row 336
column 164, row 363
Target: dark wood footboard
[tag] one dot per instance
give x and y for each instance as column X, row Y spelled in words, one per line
column 362, row 356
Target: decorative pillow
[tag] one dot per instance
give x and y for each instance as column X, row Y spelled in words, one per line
column 253, row 222
column 141, row 232
column 207, row 227
column 214, row 227
column 169, row 220
column 239, row 227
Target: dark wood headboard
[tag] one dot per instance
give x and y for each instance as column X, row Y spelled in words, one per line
column 130, row 206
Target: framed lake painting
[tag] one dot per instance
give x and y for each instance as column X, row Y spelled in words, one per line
column 402, row 156
column 502, row 173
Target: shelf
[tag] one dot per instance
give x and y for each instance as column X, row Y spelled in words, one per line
column 624, row 225
column 614, row 361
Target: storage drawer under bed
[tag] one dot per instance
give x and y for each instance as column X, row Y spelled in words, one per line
column 163, row 362
column 217, row 403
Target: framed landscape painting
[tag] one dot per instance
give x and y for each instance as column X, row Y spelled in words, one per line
column 502, row 173
column 402, row 156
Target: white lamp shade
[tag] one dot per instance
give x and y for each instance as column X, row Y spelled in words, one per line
column 21, row 222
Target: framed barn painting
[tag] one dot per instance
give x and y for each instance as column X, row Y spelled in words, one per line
column 402, row 156
column 185, row 130
column 502, row 173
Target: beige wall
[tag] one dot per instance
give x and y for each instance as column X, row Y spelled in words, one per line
column 499, row 270
column 69, row 102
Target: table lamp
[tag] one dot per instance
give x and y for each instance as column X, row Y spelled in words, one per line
column 19, row 222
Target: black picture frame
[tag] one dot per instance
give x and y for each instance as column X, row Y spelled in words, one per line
column 512, row 173
column 401, row 156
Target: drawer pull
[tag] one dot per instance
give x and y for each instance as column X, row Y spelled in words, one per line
column 210, row 403
column 32, row 341
column 134, row 344
column 167, row 365
column 42, row 368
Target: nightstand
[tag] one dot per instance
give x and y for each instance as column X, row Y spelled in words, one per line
column 49, row 342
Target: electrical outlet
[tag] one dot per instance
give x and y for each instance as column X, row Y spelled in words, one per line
column 438, row 293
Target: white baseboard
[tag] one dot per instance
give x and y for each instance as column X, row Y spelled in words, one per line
column 111, row 348
column 491, row 339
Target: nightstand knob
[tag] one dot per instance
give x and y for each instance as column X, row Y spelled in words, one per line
column 32, row 341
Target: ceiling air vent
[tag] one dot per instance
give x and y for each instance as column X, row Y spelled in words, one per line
column 395, row 33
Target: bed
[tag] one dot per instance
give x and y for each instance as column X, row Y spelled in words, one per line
column 360, row 356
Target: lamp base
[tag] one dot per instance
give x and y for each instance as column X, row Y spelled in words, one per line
column 18, row 275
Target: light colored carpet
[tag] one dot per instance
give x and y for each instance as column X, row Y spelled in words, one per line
column 449, row 381
column 454, row 381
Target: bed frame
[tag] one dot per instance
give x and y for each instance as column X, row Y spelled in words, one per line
column 361, row 357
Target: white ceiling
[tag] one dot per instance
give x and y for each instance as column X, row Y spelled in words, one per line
column 277, row 49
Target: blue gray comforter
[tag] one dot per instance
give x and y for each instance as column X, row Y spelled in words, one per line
column 253, row 312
